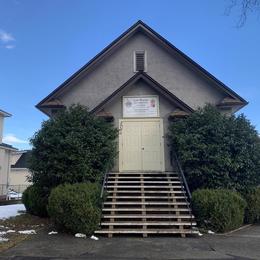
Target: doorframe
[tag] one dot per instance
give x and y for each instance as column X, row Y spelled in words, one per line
column 160, row 120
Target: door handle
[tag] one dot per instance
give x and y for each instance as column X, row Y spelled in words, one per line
column 142, row 148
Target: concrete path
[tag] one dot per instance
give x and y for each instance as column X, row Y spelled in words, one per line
column 243, row 244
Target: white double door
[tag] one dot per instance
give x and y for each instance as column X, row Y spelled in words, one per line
column 141, row 145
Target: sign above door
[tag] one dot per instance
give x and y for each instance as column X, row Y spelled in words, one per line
column 140, row 106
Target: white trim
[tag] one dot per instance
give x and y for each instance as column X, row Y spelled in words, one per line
column 145, row 60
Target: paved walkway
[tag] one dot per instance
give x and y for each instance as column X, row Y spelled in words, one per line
column 243, row 244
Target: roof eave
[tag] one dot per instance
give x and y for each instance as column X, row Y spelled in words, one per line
column 4, row 113
column 131, row 81
column 11, row 148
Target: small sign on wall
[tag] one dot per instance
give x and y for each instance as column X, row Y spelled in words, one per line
column 141, row 106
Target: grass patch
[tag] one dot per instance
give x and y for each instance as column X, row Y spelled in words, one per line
column 21, row 222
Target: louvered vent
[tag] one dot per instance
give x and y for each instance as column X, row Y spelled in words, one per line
column 139, row 61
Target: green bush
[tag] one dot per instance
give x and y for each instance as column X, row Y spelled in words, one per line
column 252, row 212
column 76, row 207
column 218, row 210
column 217, row 151
column 35, row 201
column 73, row 147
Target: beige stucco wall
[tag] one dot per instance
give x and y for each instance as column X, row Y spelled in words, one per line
column 169, row 70
column 18, row 177
column 5, row 157
column 1, row 128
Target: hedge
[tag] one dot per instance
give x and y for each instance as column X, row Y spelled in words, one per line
column 217, row 151
column 76, row 207
column 252, row 212
column 73, row 147
column 35, row 201
column 218, row 210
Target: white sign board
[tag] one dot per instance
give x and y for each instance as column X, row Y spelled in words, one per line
column 141, row 106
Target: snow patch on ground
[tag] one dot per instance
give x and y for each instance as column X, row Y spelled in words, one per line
column 2, row 239
column 8, row 211
column 27, row 232
column 53, row 233
column 197, row 233
column 10, row 231
column 80, row 235
column 94, row 237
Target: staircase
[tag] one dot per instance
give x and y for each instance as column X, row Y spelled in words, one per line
column 145, row 203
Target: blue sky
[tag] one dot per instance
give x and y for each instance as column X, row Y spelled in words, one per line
column 43, row 42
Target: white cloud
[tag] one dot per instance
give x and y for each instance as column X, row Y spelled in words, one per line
column 10, row 46
column 12, row 139
column 6, row 40
column 6, row 37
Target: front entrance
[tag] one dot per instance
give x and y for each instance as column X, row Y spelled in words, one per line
column 141, row 145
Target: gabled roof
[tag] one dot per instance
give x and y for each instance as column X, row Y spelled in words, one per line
column 153, row 84
column 141, row 26
column 23, row 161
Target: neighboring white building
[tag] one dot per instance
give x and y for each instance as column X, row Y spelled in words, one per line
column 19, row 173
column 5, row 157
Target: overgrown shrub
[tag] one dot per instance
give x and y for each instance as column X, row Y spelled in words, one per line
column 35, row 201
column 76, row 207
column 74, row 146
column 252, row 212
column 218, row 210
column 217, row 151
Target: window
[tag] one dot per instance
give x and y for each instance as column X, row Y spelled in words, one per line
column 139, row 61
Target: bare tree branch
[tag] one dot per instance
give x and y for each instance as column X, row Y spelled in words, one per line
column 245, row 8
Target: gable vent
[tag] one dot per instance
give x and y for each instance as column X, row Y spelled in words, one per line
column 140, row 61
